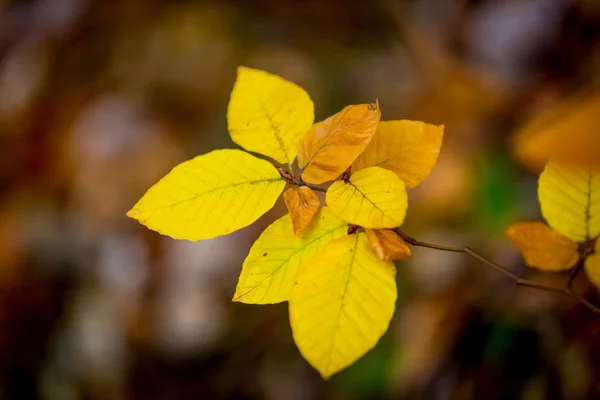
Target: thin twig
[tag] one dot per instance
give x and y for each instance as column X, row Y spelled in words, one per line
column 567, row 291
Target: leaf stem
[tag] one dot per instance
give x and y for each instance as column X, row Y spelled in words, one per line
column 567, row 291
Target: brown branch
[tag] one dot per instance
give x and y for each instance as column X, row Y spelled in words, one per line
column 567, row 291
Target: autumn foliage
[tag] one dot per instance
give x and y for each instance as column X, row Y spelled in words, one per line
column 332, row 263
column 331, row 258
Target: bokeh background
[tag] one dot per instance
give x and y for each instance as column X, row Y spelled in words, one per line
column 100, row 98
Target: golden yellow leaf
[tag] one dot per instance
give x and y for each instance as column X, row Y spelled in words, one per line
column 592, row 266
column 409, row 148
column 329, row 147
column 541, row 247
column 268, row 115
column 276, row 257
column 570, row 200
column 302, row 204
column 372, row 198
column 566, row 133
column 210, row 195
column 341, row 303
column 388, row 245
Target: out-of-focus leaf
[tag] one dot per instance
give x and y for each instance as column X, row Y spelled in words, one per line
column 409, row 148
column 302, row 204
column 329, row 147
column 342, row 303
column 372, row 198
column 566, row 133
column 211, row 195
column 388, row 245
column 268, row 114
column 592, row 266
column 570, row 200
column 277, row 255
column 541, row 247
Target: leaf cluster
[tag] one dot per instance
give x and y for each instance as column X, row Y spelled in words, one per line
column 331, row 263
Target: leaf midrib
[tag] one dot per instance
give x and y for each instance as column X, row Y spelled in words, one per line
column 197, row 195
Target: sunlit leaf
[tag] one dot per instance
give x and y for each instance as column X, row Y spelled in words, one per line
column 567, row 133
column 329, row 147
column 268, row 115
column 409, row 148
column 342, row 303
column 592, row 266
column 388, row 245
column 302, row 204
column 570, row 200
column 276, row 257
column 210, row 195
column 372, row 198
column 541, row 247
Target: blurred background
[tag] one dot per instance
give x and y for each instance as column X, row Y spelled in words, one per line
column 100, row 98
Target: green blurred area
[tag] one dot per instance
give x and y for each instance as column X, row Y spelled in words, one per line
column 100, row 98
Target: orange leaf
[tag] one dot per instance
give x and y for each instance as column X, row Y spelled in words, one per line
column 592, row 266
column 566, row 133
column 541, row 247
column 302, row 204
column 331, row 146
column 388, row 245
column 409, row 148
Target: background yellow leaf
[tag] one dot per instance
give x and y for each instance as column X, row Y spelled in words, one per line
column 388, row 245
column 541, row 247
column 342, row 303
column 372, row 198
column 567, row 132
column 277, row 255
column 210, row 195
column 409, row 148
column 268, row 114
column 302, row 204
column 592, row 266
column 330, row 146
column 570, row 200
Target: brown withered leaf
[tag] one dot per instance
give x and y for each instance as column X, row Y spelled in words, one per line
column 302, row 204
column 331, row 146
column 388, row 245
column 542, row 247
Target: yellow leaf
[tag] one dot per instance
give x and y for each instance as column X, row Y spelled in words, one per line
column 567, row 133
column 409, row 148
column 268, row 115
column 331, row 146
column 388, row 245
column 570, row 201
column 210, row 195
column 276, row 257
column 342, row 303
column 372, row 198
column 592, row 266
column 541, row 247
column 302, row 204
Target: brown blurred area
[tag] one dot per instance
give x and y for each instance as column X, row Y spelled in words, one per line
column 100, row 98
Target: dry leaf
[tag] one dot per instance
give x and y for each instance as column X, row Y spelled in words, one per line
column 541, row 247
column 331, row 146
column 388, row 245
column 302, row 204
